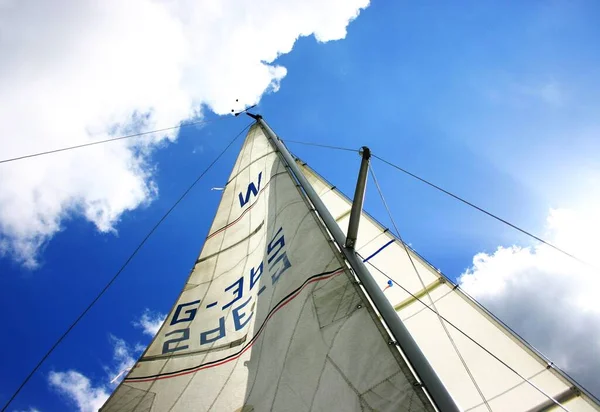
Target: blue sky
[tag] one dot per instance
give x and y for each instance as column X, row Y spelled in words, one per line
column 496, row 101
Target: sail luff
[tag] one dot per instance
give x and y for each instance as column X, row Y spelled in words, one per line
column 340, row 204
column 425, row 372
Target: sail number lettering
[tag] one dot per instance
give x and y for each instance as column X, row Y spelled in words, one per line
column 251, row 190
column 240, row 310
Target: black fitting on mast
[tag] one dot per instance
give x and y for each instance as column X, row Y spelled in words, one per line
column 359, row 197
column 256, row 117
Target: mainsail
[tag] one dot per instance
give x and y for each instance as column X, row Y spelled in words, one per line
column 270, row 317
column 481, row 362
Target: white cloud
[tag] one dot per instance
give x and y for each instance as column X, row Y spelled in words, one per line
column 80, row 390
column 31, row 409
column 73, row 72
column 123, row 359
column 548, row 298
column 150, row 322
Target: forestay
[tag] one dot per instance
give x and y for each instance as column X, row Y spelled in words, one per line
column 475, row 379
column 268, row 319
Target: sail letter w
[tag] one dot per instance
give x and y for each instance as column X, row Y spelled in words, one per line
column 252, row 189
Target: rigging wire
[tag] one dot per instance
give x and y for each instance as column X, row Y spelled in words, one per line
column 64, row 149
column 427, row 306
column 486, row 212
column 322, row 145
column 114, row 278
column 525, row 232
column 469, row 337
column 460, row 356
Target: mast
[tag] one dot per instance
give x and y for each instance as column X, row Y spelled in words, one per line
column 429, row 379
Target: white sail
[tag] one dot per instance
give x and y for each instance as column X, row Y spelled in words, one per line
column 475, row 379
column 268, row 319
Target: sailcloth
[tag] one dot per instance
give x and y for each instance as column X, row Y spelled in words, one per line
column 474, row 378
column 269, row 319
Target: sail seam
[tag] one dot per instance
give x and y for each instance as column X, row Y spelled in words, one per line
column 508, row 390
column 423, row 308
column 229, row 345
column 425, row 291
column 232, row 178
column 343, row 215
column 287, row 352
column 344, row 377
column 255, row 231
column 282, row 303
column 247, row 210
column 562, row 397
column 339, row 305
